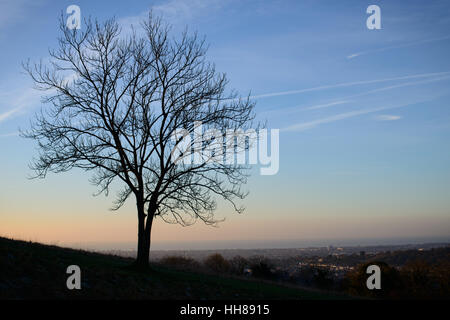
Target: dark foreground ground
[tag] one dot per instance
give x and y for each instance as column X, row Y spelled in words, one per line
column 35, row 271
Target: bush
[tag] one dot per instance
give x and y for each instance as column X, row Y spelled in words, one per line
column 238, row 264
column 391, row 282
column 217, row 263
column 416, row 279
column 262, row 269
column 423, row 280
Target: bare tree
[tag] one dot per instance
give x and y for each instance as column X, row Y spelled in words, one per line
column 114, row 106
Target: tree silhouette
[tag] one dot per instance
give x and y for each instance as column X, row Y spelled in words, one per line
column 115, row 105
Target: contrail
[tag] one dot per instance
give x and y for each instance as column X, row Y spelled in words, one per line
column 347, row 84
column 297, row 108
column 7, row 114
column 311, row 124
column 406, row 84
column 12, row 134
column 326, row 105
column 347, row 98
column 357, row 54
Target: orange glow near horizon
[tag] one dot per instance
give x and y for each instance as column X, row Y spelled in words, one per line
column 122, row 228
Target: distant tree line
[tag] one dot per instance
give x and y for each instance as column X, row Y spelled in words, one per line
column 424, row 275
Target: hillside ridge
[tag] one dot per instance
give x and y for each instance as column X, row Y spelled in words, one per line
column 30, row 270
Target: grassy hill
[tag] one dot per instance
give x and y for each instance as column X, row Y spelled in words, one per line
column 36, row 271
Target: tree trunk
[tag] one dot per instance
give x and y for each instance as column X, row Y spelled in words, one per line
column 144, row 238
column 143, row 252
column 143, row 249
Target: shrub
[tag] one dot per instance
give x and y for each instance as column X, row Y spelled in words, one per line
column 238, row 264
column 262, row 269
column 217, row 263
column 391, row 281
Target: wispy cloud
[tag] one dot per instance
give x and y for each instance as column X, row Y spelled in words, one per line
column 387, row 117
column 326, row 105
column 19, row 102
column 347, row 99
column 185, row 9
column 348, row 84
column 288, row 110
column 8, row 114
column 353, row 55
column 405, row 45
column 11, row 134
column 401, row 85
column 175, row 12
column 341, row 116
column 406, row 84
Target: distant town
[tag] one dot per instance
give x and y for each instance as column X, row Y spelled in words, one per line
column 336, row 260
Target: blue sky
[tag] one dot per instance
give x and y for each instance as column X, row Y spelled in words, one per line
column 364, row 115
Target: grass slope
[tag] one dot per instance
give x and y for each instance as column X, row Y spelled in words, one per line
column 36, row 271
